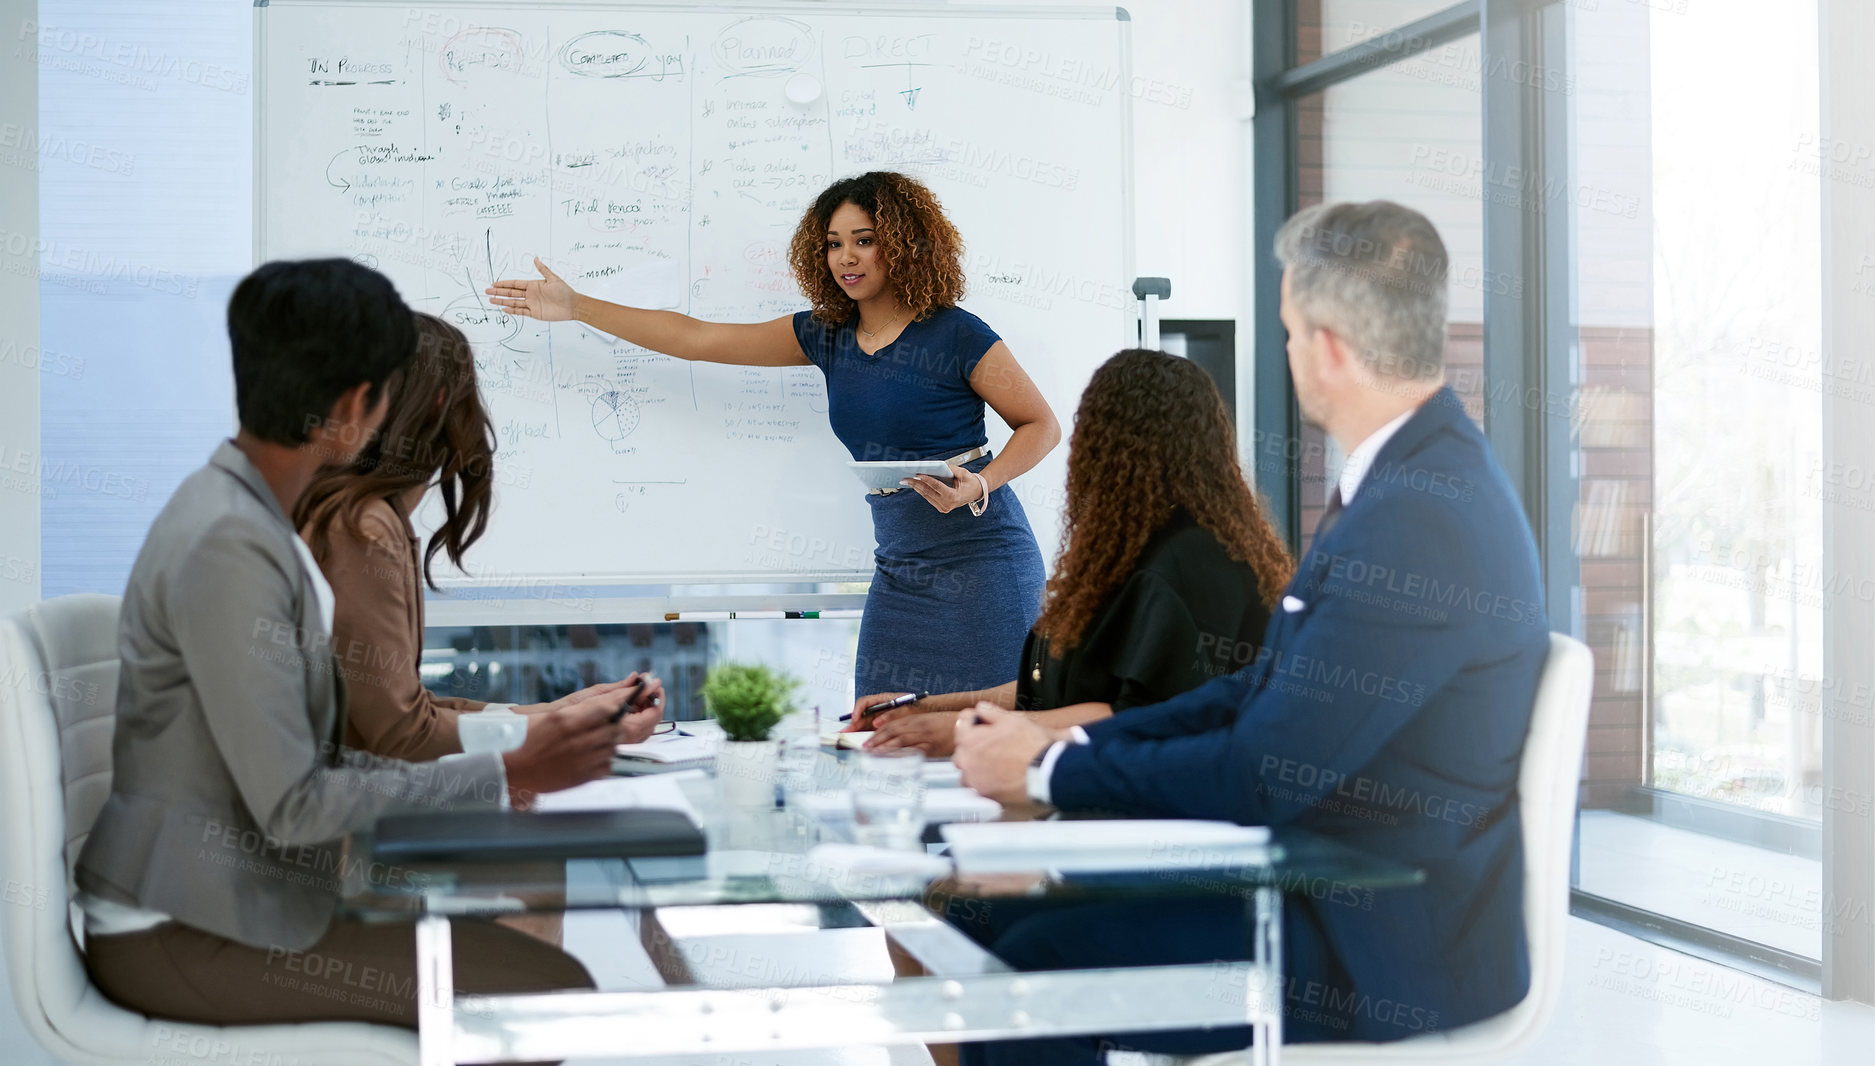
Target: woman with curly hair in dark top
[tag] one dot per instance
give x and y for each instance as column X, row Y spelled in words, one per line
column 1168, row 568
column 908, row 375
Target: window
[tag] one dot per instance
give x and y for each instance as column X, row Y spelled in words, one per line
column 1406, row 132
column 1697, row 433
column 146, row 134
column 1631, row 196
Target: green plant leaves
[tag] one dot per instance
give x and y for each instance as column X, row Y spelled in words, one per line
column 747, row 700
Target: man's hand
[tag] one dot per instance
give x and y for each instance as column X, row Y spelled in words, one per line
column 995, row 748
column 932, row 732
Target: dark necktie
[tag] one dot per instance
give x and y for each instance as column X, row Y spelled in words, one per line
column 1330, row 514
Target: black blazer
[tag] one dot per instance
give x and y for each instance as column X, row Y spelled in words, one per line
column 1170, row 627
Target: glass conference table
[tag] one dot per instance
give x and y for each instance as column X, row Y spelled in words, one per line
column 965, row 994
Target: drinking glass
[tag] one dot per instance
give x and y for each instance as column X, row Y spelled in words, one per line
column 888, row 798
column 795, row 766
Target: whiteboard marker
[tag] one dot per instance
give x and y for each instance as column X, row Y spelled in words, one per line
column 725, row 616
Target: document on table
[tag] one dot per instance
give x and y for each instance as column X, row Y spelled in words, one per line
column 661, row 792
column 1119, row 845
column 940, row 805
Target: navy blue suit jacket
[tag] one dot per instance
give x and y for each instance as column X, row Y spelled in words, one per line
column 1387, row 709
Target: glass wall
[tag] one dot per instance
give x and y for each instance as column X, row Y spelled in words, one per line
column 1346, row 22
column 1699, row 513
column 1411, row 132
column 1632, row 195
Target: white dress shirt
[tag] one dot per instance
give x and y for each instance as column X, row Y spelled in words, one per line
column 1039, row 775
column 1361, row 459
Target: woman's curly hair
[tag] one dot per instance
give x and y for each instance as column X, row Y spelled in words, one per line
column 922, row 251
column 1151, row 436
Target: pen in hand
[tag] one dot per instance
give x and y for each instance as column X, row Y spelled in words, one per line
column 626, row 707
column 906, row 700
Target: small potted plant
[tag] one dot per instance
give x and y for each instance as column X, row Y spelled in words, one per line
column 748, row 701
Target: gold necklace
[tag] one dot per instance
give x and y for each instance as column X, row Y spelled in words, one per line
column 882, row 329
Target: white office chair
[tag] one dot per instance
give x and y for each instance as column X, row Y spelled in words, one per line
column 1546, row 797
column 58, row 690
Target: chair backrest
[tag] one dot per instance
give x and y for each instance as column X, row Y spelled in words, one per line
column 1547, row 783
column 58, row 695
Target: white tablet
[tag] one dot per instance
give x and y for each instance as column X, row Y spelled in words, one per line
column 888, row 475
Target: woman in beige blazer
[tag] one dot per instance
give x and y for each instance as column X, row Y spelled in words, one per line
column 356, row 517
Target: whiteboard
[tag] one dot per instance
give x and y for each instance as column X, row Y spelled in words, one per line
column 660, row 156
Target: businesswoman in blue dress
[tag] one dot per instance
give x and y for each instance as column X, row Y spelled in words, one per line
column 908, row 376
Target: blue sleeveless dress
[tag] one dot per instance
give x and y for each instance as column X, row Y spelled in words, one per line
column 953, row 595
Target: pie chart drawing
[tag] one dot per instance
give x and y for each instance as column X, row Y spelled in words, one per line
column 614, row 416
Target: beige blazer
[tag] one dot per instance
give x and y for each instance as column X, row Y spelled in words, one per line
column 377, row 638
column 230, row 789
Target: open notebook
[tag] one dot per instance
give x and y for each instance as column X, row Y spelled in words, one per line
column 670, row 749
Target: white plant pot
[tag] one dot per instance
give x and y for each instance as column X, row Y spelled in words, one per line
column 745, row 771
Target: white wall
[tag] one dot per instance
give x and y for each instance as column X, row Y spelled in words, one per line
column 19, row 311
column 1191, row 71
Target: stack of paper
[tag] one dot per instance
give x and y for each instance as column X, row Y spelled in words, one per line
column 663, row 792
column 1123, row 845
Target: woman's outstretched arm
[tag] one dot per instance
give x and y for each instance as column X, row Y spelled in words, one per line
column 551, row 299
